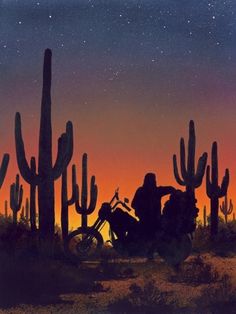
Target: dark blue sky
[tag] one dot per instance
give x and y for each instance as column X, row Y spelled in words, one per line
column 120, row 40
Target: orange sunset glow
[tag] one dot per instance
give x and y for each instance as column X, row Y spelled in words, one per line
column 122, row 149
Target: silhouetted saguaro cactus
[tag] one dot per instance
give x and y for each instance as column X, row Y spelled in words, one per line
column 16, row 195
column 3, row 171
column 27, row 210
column 84, row 210
column 214, row 191
column 32, row 205
column 191, row 179
column 226, row 208
column 6, row 208
column 204, row 217
column 22, row 213
column 47, row 173
column 65, row 201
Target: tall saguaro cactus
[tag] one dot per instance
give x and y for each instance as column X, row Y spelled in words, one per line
column 16, row 196
column 83, row 209
column 226, row 208
column 214, row 190
column 65, row 201
column 47, row 172
column 191, row 179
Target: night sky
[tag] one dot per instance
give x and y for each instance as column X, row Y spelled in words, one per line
column 130, row 75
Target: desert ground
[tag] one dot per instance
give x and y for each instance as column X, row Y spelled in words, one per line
column 204, row 284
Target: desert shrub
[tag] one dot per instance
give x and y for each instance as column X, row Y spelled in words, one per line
column 15, row 239
column 146, row 299
column 220, row 298
column 195, row 272
column 223, row 244
column 201, row 239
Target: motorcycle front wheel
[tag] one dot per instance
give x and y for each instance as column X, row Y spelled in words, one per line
column 83, row 244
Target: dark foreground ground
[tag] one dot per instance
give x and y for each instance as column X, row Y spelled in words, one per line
column 205, row 284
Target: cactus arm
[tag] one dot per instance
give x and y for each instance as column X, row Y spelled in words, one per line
column 93, row 196
column 214, row 162
column 208, row 183
column 84, row 196
column 16, row 195
column 222, row 207
column 78, row 207
column 23, row 165
column 201, row 167
column 74, row 188
column 183, row 160
column 176, row 172
column 225, row 183
column 231, row 207
column 64, row 152
column 3, row 168
column 191, row 149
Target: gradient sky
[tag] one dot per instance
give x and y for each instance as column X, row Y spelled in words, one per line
column 130, row 75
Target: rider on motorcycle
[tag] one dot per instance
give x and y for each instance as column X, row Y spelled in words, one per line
column 147, row 204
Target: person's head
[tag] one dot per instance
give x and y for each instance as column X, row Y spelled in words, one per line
column 149, row 180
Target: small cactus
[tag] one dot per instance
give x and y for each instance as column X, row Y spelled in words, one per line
column 214, row 190
column 27, row 210
column 83, row 209
column 22, row 213
column 3, row 171
column 226, row 208
column 204, row 217
column 6, row 208
column 16, row 195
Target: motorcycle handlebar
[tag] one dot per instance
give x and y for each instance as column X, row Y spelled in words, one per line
column 123, row 204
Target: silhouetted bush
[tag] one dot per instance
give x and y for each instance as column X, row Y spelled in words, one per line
column 15, row 239
column 223, row 244
column 146, row 299
column 195, row 272
column 220, row 298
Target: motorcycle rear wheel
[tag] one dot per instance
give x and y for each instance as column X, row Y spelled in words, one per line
column 83, row 244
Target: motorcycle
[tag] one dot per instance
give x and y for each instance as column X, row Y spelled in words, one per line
column 171, row 242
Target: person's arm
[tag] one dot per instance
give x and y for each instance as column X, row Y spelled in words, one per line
column 136, row 202
column 165, row 190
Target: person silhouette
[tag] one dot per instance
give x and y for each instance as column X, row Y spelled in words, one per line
column 147, row 204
